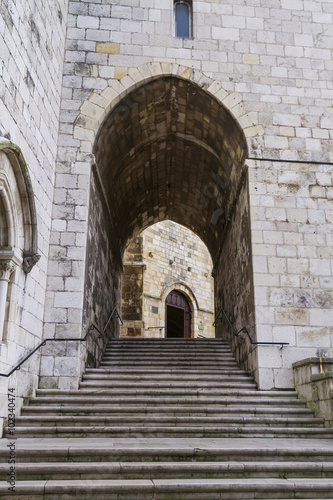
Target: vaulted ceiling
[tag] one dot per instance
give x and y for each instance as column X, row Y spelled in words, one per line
column 169, row 150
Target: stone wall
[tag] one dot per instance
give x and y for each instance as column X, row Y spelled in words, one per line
column 176, row 259
column 132, row 290
column 291, row 208
column 166, row 257
column 270, row 65
column 233, row 278
column 32, row 39
column 102, row 292
column 314, row 384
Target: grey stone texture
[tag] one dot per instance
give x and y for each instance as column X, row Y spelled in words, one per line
column 32, row 40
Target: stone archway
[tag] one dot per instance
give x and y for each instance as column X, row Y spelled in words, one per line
column 166, row 149
column 101, row 103
column 221, row 180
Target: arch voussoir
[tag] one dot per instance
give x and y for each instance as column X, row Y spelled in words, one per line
column 99, row 104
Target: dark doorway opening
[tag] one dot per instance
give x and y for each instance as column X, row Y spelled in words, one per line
column 177, row 316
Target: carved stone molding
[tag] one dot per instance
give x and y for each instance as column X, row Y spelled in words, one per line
column 6, row 269
column 9, row 261
column 29, row 260
column 24, row 186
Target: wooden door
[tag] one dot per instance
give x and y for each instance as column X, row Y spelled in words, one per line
column 178, row 315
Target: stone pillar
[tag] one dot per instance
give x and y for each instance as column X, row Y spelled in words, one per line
column 8, row 263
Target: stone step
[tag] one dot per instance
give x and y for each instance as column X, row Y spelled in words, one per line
column 168, row 341
column 116, row 410
column 167, row 374
column 165, row 400
column 166, row 392
column 163, row 420
column 186, row 358
column 147, row 470
column 162, row 349
column 176, row 424
column 194, row 384
column 212, row 351
column 179, row 431
column 165, row 450
column 193, row 358
column 182, row 364
column 166, row 489
column 213, row 369
column 171, row 353
column 166, row 346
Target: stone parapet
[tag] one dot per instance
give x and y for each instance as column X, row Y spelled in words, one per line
column 314, row 383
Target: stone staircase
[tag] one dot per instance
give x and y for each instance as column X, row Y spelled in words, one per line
column 169, row 419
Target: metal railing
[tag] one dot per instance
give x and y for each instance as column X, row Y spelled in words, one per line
column 245, row 330
column 82, row 339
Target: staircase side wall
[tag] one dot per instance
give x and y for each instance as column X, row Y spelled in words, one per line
column 32, row 40
column 233, row 278
column 132, row 290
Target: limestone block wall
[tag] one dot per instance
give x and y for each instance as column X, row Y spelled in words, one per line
column 234, row 301
column 291, row 207
column 166, row 257
column 176, row 259
column 132, row 289
column 269, row 63
column 32, row 39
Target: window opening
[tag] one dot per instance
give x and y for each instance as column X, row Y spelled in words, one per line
column 183, row 18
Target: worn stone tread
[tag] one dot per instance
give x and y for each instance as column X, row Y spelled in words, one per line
column 85, row 488
column 125, row 470
column 168, row 391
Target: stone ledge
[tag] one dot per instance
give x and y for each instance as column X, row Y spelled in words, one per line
column 309, row 361
column 315, row 386
column 322, row 376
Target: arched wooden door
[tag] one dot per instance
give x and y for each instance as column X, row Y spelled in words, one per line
column 178, row 315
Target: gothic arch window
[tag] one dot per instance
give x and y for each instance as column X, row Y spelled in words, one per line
column 183, row 18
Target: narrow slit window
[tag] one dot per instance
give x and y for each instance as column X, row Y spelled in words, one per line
column 183, row 18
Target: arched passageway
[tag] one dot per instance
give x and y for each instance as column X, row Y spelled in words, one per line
column 166, row 257
column 170, row 150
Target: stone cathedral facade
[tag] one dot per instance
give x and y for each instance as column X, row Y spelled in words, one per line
column 118, row 114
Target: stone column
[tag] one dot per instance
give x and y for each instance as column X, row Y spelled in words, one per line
column 7, row 266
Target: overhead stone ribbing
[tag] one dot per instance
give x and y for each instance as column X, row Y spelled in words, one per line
column 169, row 150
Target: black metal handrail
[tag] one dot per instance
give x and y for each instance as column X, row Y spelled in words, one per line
column 114, row 310
column 245, row 330
column 152, row 327
column 82, row 339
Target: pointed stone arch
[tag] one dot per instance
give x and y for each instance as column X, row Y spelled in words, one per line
column 132, row 187
column 19, row 208
column 100, row 103
column 18, row 221
column 181, row 287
